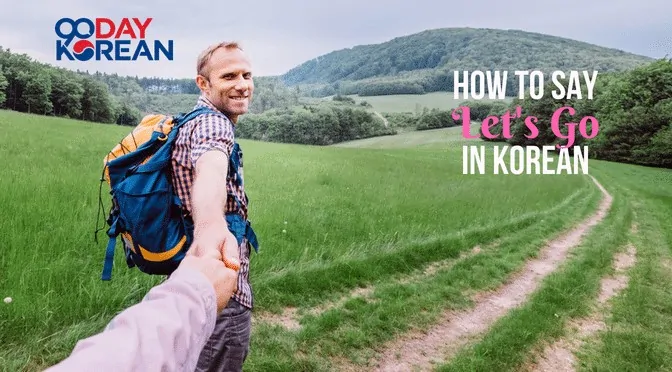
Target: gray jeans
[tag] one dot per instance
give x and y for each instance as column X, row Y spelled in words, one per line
column 229, row 344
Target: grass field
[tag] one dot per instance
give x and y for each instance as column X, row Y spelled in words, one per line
column 383, row 236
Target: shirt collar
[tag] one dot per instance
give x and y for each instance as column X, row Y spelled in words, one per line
column 203, row 101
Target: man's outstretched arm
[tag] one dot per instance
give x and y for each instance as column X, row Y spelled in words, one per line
column 212, row 141
column 208, row 195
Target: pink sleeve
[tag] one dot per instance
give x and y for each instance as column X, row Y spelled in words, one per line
column 164, row 332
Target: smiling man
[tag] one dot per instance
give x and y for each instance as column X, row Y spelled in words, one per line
column 205, row 157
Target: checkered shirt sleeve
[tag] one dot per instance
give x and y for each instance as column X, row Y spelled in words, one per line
column 211, row 132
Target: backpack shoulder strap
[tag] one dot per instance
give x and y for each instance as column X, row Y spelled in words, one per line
column 183, row 118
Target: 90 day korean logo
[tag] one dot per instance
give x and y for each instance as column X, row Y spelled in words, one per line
column 84, row 39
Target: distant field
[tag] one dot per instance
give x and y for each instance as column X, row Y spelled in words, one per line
column 413, row 102
column 360, row 244
column 433, row 138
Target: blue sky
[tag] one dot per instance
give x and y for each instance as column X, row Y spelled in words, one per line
column 280, row 35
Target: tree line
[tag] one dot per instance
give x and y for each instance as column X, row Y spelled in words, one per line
column 30, row 86
column 436, row 118
column 33, row 87
column 324, row 123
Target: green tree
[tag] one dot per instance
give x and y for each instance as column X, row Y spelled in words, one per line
column 3, row 86
column 633, row 111
column 96, row 103
column 16, row 68
column 36, row 95
column 66, row 93
column 128, row 115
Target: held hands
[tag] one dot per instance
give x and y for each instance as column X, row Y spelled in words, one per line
column 223, row 279
column 214, row 253
column 213, row 239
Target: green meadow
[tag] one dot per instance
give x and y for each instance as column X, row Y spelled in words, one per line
column 367, row 215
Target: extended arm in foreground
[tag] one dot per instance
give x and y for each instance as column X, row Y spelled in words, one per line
column 164, row 332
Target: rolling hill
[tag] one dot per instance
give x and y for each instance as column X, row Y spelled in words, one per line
column 424, row 62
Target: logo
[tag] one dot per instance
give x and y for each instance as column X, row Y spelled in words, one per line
column 85, row 39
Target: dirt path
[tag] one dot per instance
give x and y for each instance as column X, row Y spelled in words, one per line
column 382, row 117
column 289, row 317
column 559, row 357
column 417, row 351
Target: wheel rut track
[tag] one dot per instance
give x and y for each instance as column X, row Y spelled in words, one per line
column 418, row 351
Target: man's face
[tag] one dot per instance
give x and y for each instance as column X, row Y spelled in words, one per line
column 230, row 84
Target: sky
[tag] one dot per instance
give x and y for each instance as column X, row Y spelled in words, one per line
column 279, row 35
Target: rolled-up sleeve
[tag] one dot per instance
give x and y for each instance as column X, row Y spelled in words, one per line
column 211, row 132
column 164, row 332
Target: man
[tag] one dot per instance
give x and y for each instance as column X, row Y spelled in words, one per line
column 208, row 190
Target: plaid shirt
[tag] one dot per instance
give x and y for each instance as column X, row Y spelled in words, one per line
column 204, row 133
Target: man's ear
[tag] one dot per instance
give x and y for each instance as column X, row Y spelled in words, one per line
column 202, row 83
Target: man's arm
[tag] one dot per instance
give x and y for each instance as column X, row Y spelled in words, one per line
column 212, row 141
column 209, row 190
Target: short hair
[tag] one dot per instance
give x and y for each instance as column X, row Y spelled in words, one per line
column 205, row 55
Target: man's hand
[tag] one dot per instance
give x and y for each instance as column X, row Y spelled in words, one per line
column 213, row 239
column 223, row 279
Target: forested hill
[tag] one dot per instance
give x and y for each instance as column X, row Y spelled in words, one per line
column 425, row 61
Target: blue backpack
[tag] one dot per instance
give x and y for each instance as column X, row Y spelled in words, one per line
column 145, row 210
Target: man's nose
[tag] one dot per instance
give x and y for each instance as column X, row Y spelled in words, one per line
column 242, row 84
